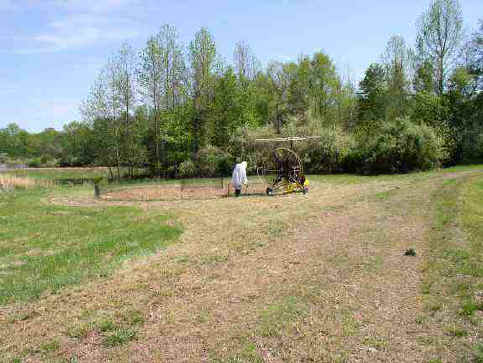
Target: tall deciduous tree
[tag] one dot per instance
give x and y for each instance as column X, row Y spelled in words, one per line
column 323, row 86
column 439, row 36
column 226, row 112
column 397, row 61
column 124, row 84
column 150, row 81
column 202, row 54
column 162, row 78
column 102, row 109
column 278, row 82
column 372, row 97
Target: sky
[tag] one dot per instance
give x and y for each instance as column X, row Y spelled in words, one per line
column 51, row 51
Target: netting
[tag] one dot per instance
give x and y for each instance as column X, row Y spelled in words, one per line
column 200, row 189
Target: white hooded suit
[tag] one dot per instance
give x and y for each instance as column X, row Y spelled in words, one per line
column 239, row 176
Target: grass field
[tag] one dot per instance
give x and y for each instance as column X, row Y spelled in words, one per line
column 320, row 277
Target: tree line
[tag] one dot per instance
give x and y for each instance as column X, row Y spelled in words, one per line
column 181, row 110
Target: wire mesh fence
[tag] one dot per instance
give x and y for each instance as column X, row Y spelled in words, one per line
column 171, row 190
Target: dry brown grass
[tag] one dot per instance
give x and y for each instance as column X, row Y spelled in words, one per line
column 295, row 278
column 10, row 182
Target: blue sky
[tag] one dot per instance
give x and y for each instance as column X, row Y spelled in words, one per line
column 52, row 50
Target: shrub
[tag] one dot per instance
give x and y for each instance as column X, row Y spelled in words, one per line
column 3, row 158
column 243, row 146
column 214, row 162
column 187, row 169
column 44, row 160
column 327, row 154
column 396, row 146
column 34, row 163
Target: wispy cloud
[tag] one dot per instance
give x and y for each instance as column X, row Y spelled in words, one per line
column 8, row 5
column 80, row 24
column 81, row 30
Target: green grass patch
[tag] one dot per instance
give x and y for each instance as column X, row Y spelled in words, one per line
column 79, row 330
column 457, row 331
column 51, row 346
column 276, row 317
column 61, row 173
column 376, row 342
column 478, row 353
column 454, row 272
column 45, row 247
column 247, row 353
column 133, row 317
column 213, row 259
column 119, row 337
column 106, row 325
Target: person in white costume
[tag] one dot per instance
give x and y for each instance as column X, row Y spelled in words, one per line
column 239, row 177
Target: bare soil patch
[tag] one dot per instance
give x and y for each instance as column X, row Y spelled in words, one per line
column 172, row 192
column 176, row 192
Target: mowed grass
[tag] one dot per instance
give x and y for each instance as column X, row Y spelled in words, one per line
column 317, row 277
column 454, row 274
column 45, row 247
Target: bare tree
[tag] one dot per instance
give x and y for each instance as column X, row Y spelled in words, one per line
column 102, row 109
column 125, row 86
column 246, row 64
column 150, row 81
column 439, row 35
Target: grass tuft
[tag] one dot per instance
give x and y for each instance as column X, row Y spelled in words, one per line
column 79, row 330
column 134, row 317
column 106, row 325
column 478, row 353
column 51, row 346
column 276, row 317
column 119, row 337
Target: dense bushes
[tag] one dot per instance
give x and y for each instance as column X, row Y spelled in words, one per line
column 213, row 161
column 396, row 147
column 209, row 162
column 327, row 154
column 187, row 169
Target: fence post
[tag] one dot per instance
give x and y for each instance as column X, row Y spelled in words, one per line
column 96, row 190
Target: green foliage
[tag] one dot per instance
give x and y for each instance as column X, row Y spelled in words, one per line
column 212, row 161
column 34, row 163
column 187, row 169
column 439, row 36
column 397, row 146
column 327, row 154
column 227, row 108
column 373, row 94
